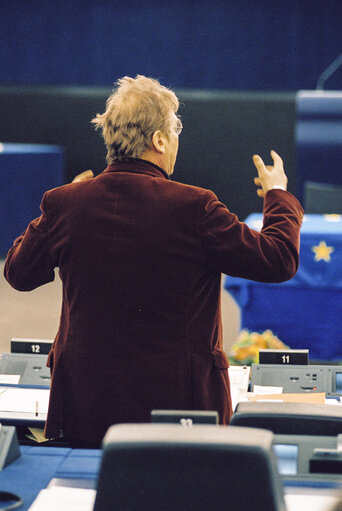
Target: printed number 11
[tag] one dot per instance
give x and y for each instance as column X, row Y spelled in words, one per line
column 286, row 359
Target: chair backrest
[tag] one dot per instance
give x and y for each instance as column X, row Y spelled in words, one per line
column 289, row 418
column 322, row 198
column 200, row 468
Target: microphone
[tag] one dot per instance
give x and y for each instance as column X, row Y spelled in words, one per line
column 330, row 70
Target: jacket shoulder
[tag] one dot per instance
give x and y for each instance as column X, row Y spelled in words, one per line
column 192, row 191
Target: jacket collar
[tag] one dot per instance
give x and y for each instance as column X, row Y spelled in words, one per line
column 137, row 166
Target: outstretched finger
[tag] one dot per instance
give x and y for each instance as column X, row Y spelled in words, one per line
column 276, row 158
column 258, row 162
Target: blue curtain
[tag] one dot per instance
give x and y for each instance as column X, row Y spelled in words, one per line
column 222, row 44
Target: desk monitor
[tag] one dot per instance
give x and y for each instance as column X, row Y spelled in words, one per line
column 184, row 417
column 31, row 369
column 336, row 380
column 295, row 451
column 287, row 458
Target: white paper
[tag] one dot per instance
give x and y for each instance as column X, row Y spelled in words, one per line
column 332, row 401
column 314, row 502
column 270, row 400
column 239, row 375
column 239, row 380
column 267, row 389
column 24, row 400
column 12, row 379
column 60, row 498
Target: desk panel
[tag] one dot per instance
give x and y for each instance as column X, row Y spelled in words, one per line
column 41, row 467
column 27, row 475
column 36, row 466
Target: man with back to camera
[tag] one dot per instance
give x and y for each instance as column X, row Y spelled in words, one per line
column 140, row 258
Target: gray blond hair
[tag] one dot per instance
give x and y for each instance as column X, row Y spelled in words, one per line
column 134, row 111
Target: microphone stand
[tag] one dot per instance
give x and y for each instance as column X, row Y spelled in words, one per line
column 330, row 70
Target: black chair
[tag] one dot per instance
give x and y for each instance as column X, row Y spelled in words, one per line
column 171, row 468
column 322, row 198
column 290, row 418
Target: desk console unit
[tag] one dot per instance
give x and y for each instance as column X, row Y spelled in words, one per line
column 299, row 378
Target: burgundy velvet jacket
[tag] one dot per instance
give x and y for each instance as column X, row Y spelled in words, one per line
column 140, row 258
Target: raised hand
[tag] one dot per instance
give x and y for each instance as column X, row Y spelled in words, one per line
column 269, row 176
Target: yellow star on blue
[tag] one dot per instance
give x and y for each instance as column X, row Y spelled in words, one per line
column 322, row 252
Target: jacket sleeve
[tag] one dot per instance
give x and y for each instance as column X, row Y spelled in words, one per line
column 271, row 255
column 28, row 263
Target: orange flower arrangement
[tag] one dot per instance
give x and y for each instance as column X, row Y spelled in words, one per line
column 245, row 351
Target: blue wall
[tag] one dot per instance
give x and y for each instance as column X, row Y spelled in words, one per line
column 220, row 44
